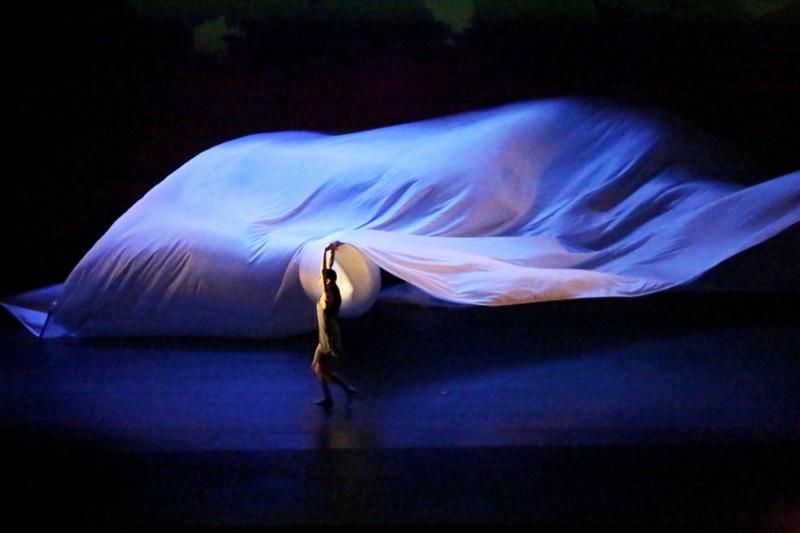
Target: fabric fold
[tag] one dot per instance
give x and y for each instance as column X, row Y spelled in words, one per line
column 524, row 203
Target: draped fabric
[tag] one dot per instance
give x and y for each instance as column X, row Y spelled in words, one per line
column 524, row 203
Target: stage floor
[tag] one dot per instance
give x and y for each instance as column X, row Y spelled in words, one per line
column 678, row 409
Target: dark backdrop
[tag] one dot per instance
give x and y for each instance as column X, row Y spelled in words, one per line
column 107, row 98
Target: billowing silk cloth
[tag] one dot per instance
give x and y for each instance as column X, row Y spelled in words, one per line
column 524, row 203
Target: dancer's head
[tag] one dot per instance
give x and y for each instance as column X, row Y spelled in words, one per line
column 329, row 276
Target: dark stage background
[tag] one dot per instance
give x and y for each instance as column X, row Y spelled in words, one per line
column 107, row 98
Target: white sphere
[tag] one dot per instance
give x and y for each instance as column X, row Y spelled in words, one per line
column 358, row 278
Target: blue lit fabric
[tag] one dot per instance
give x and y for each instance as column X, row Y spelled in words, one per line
column 525, row 203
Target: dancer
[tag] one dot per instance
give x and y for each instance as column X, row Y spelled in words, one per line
column 329, row 335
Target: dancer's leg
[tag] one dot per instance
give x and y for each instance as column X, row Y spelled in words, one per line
column 320, row 367
column 349, row 390
column 327, row 398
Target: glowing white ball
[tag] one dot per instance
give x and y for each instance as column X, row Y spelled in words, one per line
column 358, row 278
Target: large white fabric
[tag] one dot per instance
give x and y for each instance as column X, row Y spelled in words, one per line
column 524, row 203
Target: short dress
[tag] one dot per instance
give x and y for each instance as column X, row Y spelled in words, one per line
column 329, row 336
